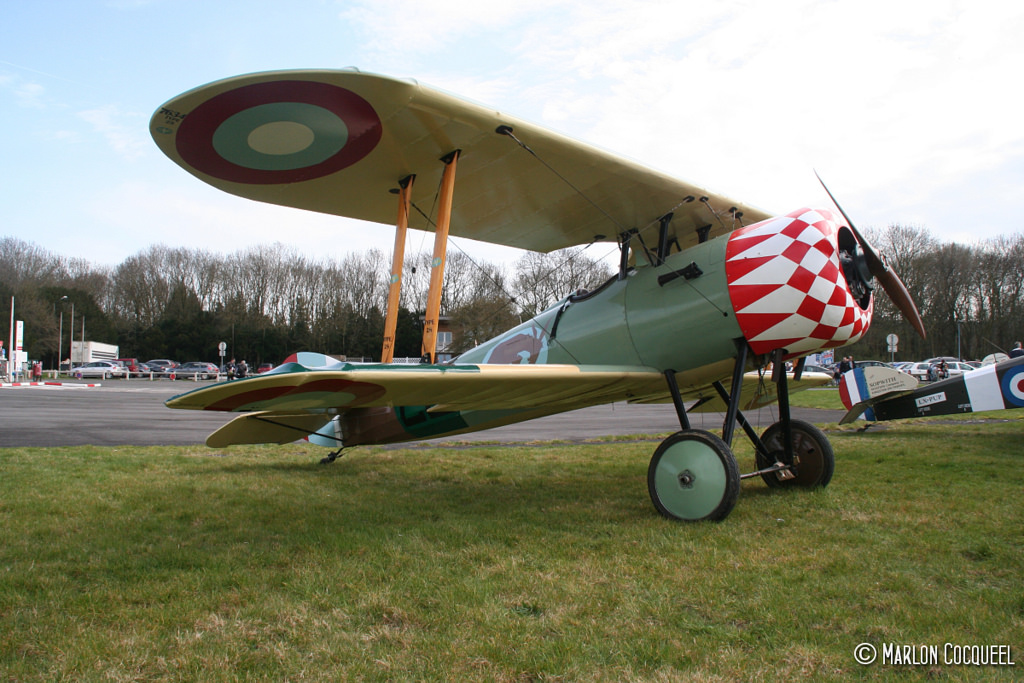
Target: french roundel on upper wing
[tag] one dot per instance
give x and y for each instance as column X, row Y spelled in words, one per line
column 277, row 132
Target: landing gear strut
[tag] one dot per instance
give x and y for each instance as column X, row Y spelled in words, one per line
column 693, row 475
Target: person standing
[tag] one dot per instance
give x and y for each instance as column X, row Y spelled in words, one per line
column 1017, row 351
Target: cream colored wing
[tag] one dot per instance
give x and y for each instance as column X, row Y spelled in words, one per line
column 339, row 142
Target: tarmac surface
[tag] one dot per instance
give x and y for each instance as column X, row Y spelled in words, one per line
column 132, row 413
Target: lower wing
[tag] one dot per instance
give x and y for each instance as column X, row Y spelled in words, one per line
column 757, row 391
column 294, row 400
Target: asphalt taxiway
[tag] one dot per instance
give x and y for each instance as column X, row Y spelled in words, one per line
column 132, row 413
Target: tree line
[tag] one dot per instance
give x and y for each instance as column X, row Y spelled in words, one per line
column 971, row 297
column 269, row 301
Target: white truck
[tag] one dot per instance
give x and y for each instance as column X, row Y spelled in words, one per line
column 87, row 352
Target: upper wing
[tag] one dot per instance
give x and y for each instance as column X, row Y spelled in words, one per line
column 339, row 142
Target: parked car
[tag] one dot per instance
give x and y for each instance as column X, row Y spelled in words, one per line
column 957, row 368
column 922, row 371
column 100, row 368
column 196, row 369
column 871, row 363
column 264, row 367
column 130, row 364
column 161, row 365
column 919, row 371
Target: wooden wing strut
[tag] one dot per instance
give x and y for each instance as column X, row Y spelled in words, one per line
column 397, row 259
column 444, row 213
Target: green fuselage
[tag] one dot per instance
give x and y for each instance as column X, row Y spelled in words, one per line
column 686, row 325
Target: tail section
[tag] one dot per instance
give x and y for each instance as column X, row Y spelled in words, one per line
column 268, row 427
column 862, row 388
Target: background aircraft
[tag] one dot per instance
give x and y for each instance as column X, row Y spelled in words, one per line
column 877, row 394
column 709, row 292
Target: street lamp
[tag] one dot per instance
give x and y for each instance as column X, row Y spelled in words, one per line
column 71, row 333
column 60, row 333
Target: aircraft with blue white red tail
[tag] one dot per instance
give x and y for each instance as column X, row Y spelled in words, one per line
column 710, row 300
column 880, row 394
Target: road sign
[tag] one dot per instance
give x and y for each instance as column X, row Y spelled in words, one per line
column 892, row 340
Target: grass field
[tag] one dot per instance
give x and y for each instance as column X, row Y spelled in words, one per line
column 488, row 563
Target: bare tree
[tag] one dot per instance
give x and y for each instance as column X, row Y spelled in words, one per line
column 544, row 279
column 141, row 288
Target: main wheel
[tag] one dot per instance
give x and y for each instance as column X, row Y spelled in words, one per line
column 693, row 475
column 813, row 458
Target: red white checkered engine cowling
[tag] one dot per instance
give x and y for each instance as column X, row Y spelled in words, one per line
column 787, row 286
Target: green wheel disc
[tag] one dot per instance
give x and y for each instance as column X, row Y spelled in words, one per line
column 693, row 476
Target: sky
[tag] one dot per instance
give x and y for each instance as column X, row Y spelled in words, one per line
column 908, row 108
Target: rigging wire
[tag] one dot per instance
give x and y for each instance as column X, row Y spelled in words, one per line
column 637, row 233
column 507, row 130
column 622, row 230
column 501, row 287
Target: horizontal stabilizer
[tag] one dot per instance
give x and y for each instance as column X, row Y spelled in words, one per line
column 267, row 427
column 992, row 387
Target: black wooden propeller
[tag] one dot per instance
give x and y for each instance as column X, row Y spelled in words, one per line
column 881, row 271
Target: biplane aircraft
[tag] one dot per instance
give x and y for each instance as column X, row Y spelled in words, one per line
column 709, row 292
column 879, row 394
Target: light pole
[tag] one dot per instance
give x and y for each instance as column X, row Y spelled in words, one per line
column 60, row 335
column 71, row 336
column 60, row 331
column 959, row 356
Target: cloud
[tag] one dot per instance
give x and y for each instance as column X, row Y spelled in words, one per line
column 29, row 95
column 747, row 98
column 122, row 136
column 407, row 29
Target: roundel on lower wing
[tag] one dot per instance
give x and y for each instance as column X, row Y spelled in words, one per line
column 787, row 286
column 1013, row 385
column 278, row 132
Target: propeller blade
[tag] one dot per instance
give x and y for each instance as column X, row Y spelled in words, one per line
column 897, row 291
column 886, row 276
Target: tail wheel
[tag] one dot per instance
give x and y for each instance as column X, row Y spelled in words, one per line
column 814, row 460
column 693, row 476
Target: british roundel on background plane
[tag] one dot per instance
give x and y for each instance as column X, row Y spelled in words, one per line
column 711, row 299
